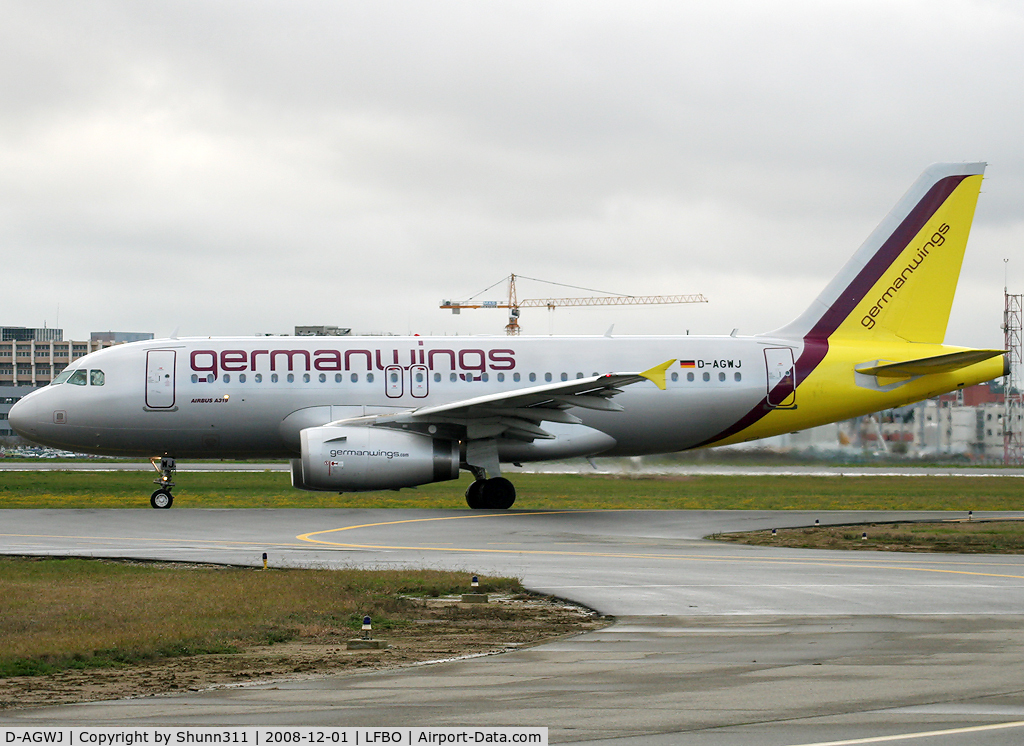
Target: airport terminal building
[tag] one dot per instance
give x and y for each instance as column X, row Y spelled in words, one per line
column 30, row 358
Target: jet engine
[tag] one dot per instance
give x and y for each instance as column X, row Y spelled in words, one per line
column 360, row 459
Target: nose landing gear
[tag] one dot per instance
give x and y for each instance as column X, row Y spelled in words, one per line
column 163, row 498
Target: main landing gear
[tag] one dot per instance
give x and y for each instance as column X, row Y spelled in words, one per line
column 491, row 494
column 162, row 498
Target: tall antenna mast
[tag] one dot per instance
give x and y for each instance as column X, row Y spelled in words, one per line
column 1013, row 438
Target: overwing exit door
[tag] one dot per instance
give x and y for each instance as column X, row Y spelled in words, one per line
column 394, row 380
column 419, row 380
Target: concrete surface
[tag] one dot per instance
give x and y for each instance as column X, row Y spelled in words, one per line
column 715, row 643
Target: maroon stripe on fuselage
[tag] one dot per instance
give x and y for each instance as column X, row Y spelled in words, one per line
column 813, row 353
column 816, row 340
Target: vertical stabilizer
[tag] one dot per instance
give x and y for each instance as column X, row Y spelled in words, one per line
column 900, row 283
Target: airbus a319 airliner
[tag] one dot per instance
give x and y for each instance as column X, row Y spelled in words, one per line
column 371, row 413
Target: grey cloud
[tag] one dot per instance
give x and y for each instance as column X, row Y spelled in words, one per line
column 355, row 162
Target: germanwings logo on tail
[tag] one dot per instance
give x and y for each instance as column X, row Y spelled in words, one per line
column 937, row 239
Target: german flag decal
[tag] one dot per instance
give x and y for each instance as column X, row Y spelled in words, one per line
column 687, row 364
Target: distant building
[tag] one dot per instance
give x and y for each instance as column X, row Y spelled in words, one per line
column 29, row 359
column 322, row 331
column 25, row 334
column 34, row 363
column 8, row 398
column 120, row 337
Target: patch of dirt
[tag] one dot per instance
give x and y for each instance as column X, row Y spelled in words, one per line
column 441, row 629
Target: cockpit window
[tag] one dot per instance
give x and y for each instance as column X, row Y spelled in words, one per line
column 78, row 378
column 96, row 377
column 62, row 377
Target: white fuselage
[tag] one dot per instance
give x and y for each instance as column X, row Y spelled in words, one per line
column 250, row 397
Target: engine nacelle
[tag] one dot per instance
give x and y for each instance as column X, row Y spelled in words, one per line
column 360, row 459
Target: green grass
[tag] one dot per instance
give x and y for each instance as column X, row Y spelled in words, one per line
column 535, row 492
column 962, row 537
column 63, row 614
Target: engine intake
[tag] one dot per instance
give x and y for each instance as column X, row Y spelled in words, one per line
column 360, row 459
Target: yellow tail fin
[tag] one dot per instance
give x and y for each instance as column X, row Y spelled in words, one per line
column 900, row 283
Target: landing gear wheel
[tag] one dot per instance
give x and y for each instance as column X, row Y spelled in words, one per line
column 475, row 494
column 491, row 494
column 499, row 493
column 161, row 499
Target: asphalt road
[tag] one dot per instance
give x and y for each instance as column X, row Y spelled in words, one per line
column 715, row 643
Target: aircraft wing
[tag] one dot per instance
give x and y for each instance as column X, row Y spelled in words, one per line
column 518, row 413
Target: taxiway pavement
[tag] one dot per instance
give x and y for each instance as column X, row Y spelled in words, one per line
column 715, row 643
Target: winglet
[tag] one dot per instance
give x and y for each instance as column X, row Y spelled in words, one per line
column 656, row 375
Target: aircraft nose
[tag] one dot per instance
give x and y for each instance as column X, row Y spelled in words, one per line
column 24, row 417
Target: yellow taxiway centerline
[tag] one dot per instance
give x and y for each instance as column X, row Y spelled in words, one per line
column 859, row 563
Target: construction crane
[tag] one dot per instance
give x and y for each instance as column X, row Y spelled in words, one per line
column 513, row 304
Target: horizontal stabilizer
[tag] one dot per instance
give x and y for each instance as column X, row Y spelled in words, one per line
column 927, row 365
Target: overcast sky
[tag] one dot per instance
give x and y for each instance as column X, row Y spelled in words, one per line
column 241, row 167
